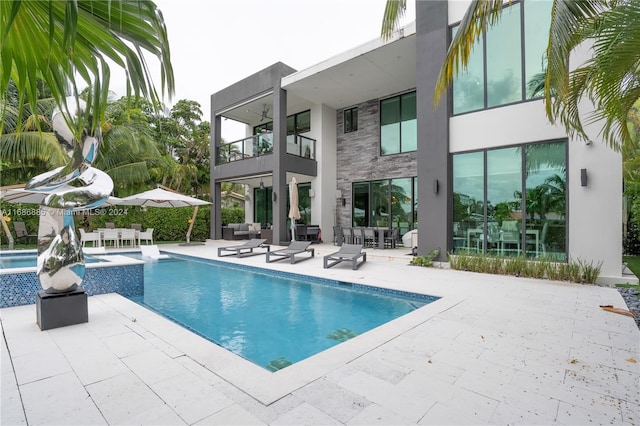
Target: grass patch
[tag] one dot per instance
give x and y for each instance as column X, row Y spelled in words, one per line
column 633, row 262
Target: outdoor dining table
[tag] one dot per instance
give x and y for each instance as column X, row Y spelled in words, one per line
column 100, row 231
column 382, row 233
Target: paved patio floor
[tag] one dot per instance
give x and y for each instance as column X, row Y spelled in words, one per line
column 492, row 350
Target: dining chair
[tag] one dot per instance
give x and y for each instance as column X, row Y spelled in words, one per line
column 112, row 235
column 391, row 238
column 110, row 225
column 347, row 234
column 128, row 235
column 369, row 237
column 338, row 235
column 136, row 226
column 92, row 237
column 147, row 236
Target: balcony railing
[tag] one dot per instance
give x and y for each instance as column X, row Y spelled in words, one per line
column 262, row 144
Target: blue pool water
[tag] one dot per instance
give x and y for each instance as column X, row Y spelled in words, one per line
column 29, row 260
column 271, row 319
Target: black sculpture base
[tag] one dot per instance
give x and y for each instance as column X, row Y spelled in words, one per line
column 61, row 309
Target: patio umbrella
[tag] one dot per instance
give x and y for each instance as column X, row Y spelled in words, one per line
column 294, row 211
column 161, row 197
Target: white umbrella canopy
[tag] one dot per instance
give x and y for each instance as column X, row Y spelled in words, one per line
column 294, row 210
column 161, row 198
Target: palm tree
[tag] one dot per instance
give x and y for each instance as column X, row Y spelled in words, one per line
column 610, row 78
column 69, row 42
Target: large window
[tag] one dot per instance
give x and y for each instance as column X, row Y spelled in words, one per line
column 263, row 205
column 511, row 201
column 398, row 124
column 506, row 59
column 388, row 203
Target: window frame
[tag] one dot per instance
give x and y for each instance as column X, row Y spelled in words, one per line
column 399, row 98
column 353, row 124
column 523, row 65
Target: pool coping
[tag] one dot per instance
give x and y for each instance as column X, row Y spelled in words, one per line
column 265, row 386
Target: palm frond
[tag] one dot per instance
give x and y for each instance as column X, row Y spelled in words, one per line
column 70, row 42
column 393, row 13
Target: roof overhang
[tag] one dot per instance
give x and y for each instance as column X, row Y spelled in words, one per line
column 373, row 70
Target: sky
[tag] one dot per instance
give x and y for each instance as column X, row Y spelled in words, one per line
column 215, row 43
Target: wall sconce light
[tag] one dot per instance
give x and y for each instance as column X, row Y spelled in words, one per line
column 583, row 177
column 261, row 184
column 275, row 197
column 247, row 197
column 344, row 202
column 436, row 186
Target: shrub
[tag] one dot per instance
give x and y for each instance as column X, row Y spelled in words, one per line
column 231, row 215
column 425, row 260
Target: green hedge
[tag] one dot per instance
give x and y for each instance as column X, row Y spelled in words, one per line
column 170, row 224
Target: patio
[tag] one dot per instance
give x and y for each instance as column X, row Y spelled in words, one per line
column 492, row 350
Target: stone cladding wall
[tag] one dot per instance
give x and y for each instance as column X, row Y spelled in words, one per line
column 359, row 159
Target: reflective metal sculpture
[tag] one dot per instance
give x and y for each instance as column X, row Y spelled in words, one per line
column 73, row 187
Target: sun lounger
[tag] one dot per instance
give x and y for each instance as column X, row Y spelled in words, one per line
column 296, row 247
column 347, row 253
column 152, row 251
column 245, row 249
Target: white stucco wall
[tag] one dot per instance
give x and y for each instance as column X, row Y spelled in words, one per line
column 323, row 204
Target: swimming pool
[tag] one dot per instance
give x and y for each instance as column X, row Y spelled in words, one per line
column 29, row 260
column 273, row 319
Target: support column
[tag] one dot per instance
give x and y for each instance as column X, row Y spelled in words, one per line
column 215, row 230
column 280, row 235
column 434, row 170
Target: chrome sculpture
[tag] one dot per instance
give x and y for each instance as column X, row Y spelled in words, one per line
column 74, row 187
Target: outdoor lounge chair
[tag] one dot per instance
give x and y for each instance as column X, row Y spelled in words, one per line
column 245, row 249
column 347, row 253
column 296, row 247
column 21, row 232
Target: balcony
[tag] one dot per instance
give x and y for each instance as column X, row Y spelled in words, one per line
column 262, row 144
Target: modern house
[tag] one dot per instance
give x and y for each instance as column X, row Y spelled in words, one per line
column 484, row 171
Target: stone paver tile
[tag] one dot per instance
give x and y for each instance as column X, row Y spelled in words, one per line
column 373, row 364
column 374, row 414
column 444, row 414
column 29, row 341
column 388, row 396
column 474, row 404
column 604, row 380
column 202, row 372
column 122, row 397
column 39, row 365
column 59, row 400
column 573, row 415
column 592, row 353
column 156, row 416
column 165, row 347
column 191, row 398
column 506, row 414
column 421, row 383
column 273, row 411
column 127, row 344
column 153, row 366
column 332, row 399
column 630, row 412
column 95, row 365
column 304, row 414
column 233, row 415
column 11, row 412
column 628, row 360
